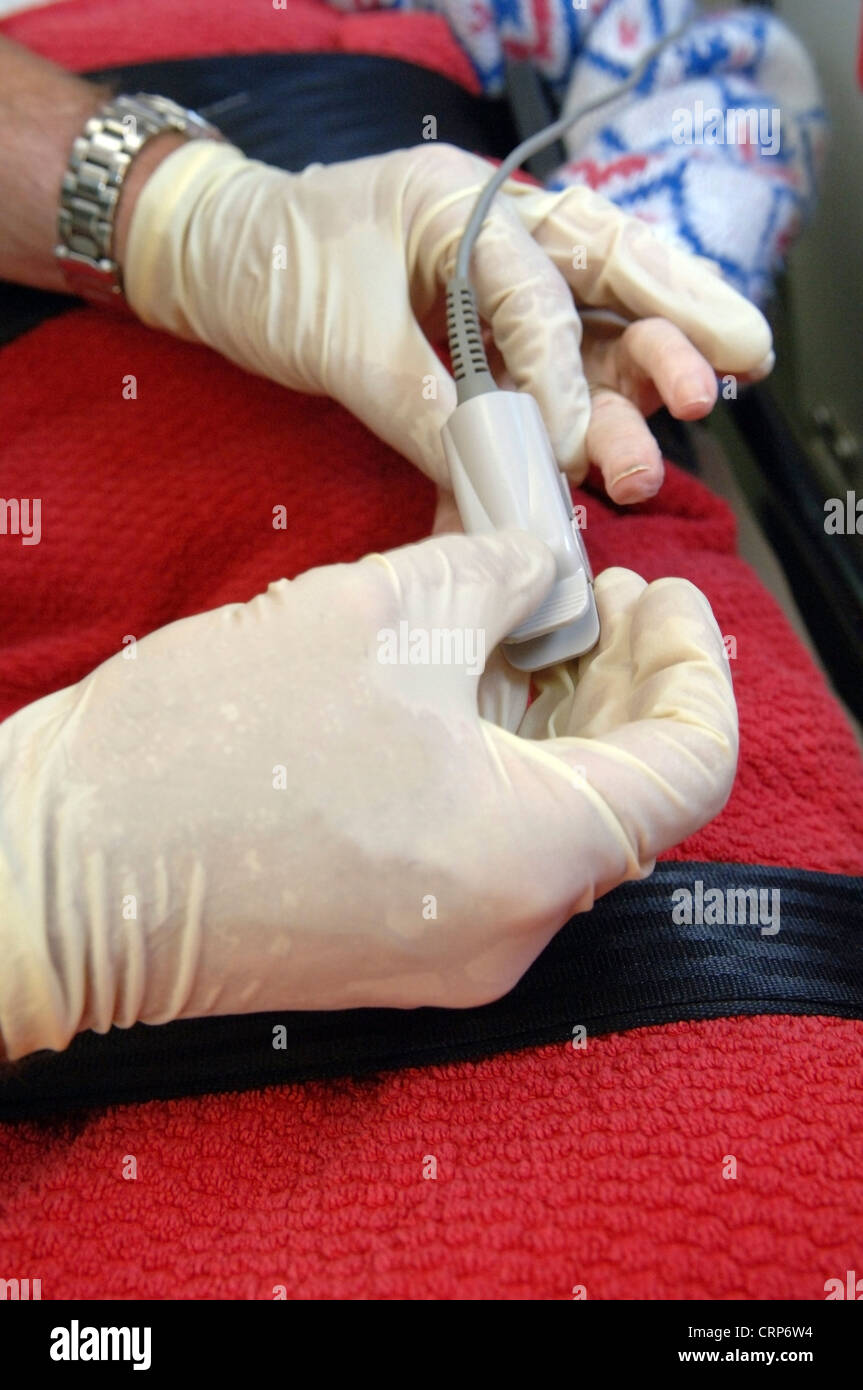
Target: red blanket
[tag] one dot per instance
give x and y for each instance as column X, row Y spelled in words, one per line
column 556, row 1168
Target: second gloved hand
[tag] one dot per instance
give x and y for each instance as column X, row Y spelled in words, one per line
column 301, row 802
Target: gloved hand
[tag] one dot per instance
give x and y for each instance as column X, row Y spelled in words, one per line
column 258, row 812
column 331, row 281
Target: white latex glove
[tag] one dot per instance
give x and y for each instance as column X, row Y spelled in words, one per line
column 416, row 853
column 331, row 282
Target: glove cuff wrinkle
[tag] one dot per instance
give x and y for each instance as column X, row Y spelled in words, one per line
column 153, row 268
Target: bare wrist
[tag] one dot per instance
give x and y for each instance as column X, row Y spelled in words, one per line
column 42, row 109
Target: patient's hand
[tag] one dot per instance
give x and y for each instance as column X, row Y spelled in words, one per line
column 631, row 371
column 294, row 803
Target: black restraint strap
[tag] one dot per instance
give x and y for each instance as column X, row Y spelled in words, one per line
column 643, row 955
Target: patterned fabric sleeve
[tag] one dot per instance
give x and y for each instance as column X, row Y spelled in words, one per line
column 720, row 144
column 548, row 33
column 718, row 147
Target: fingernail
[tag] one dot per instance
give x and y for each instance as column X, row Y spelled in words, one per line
column 628, row 487
column 692, row 393
column 629, row 473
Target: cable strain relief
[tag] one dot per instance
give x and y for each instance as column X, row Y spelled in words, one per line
column 469, row 362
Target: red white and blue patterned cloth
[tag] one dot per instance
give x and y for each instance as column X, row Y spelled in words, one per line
column 740, row 202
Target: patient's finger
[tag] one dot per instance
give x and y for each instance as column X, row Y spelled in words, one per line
column 651, row 363
column 620, row 443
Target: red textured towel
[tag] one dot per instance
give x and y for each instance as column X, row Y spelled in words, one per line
column 556, row 1168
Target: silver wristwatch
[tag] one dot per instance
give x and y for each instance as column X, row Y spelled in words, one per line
column 90, row 192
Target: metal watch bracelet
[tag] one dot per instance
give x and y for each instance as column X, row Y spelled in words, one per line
column 101, row 157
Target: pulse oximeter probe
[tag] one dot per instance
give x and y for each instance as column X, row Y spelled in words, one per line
column 502, row 468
